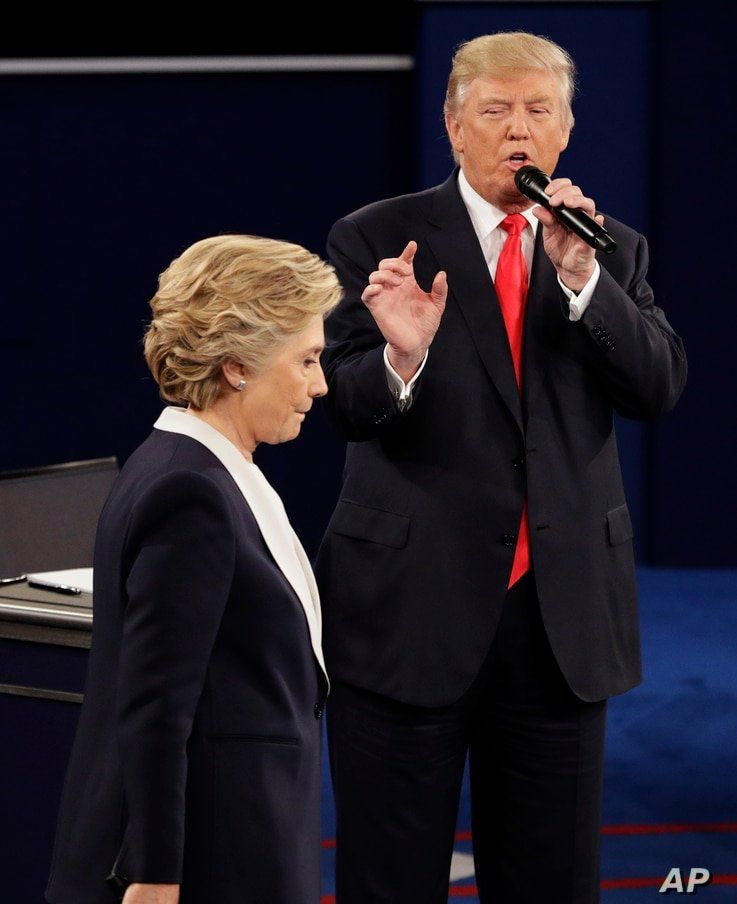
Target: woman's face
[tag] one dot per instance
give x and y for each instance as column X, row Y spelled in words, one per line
column 277, row 401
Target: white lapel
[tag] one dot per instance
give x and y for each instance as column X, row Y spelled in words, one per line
column 267, row 509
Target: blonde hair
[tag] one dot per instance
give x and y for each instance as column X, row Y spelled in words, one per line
column 507, row 51
column 231, row 297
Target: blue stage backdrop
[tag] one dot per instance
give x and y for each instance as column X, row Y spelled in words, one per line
column 106, row 178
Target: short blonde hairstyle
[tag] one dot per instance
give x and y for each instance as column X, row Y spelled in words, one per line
column 233, row 297
column 507, row 51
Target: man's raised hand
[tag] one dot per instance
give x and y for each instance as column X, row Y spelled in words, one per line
column 407, row 317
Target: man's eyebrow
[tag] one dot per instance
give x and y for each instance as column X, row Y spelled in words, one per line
column 492, row 99
column 536, row 99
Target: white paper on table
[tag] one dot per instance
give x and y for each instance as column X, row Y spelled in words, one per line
column 68, row 577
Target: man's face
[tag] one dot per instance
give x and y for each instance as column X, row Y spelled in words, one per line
column 504, row 124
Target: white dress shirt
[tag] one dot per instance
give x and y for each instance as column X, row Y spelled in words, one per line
column 486, row 220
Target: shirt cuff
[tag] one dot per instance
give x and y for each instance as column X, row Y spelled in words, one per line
column 577, row 304
column 401, row 391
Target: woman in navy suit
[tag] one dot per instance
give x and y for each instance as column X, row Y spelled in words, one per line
column 195, row 775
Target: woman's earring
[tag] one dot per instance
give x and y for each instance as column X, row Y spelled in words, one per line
column 241, row 385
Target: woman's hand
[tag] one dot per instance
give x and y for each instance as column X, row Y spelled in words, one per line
column 147, row 893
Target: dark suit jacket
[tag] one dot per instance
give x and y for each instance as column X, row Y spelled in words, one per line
column 197, row 757
column 414, row 566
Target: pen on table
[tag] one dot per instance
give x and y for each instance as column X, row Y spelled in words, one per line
column 56, row 588
column 16, row 580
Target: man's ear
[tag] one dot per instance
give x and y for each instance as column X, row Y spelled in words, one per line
column 455, row 132
column 566, row 135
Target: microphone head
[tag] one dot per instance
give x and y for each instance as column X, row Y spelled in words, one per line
column 531, row 182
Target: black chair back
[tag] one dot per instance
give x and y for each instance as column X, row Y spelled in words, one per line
column 48, row 515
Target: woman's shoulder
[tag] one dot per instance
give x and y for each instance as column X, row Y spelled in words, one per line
column 168, row 471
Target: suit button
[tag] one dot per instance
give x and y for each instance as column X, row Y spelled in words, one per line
column 318, row 711
column 509, row 539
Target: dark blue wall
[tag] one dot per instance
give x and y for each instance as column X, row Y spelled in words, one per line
column 106, row 178
column 692, row 457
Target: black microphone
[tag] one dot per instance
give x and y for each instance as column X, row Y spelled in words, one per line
column 532, row 181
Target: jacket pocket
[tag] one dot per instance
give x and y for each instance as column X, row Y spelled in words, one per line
column 619, row 525
column 365, row 523
column 255, row 739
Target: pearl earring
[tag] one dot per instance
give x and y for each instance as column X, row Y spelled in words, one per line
column 241, row 385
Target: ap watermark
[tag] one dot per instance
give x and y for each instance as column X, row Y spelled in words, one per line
column 674, row 881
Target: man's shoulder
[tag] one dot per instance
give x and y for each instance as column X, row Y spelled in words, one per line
column 397, row 209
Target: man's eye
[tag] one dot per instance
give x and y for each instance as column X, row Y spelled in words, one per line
column 309, row 361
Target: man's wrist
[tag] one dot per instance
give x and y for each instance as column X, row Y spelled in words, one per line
column 406, row 364
column 575, row 281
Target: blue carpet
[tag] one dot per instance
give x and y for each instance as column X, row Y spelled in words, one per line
column 670, row 785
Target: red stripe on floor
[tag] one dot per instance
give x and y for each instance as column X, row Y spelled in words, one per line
column 656, row 883
column 632, row 883
column 670, row 828
column 471, row 891
column 666, row 828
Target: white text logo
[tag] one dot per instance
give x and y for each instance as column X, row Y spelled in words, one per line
column 698, row 875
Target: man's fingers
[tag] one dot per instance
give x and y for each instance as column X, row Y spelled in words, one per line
column 439, row 289
column 556, row 184
column 599, row 219
column 571, row 196
column 544, row 215
column 396, row 265
column 370, row 292
column 385, row 278
column 579, row 202
column 409, row 252
column 401, row 265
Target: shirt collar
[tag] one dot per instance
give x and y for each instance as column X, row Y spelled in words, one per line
column 484, row 216
column 178, row 420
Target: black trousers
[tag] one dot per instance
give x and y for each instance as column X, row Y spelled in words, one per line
column 536, row 761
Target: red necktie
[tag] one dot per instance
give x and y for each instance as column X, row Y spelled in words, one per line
column 511, row 288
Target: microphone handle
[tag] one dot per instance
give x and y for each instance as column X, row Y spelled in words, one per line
column 532, row 183
column 582, row 224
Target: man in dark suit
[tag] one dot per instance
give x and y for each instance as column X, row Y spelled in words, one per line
column 477, row 575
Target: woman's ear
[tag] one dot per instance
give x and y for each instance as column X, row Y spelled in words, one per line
column 234, row 373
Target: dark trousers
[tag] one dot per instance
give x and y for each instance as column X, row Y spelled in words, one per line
column 536, row 760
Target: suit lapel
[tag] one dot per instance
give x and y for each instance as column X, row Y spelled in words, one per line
column 456, row 248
